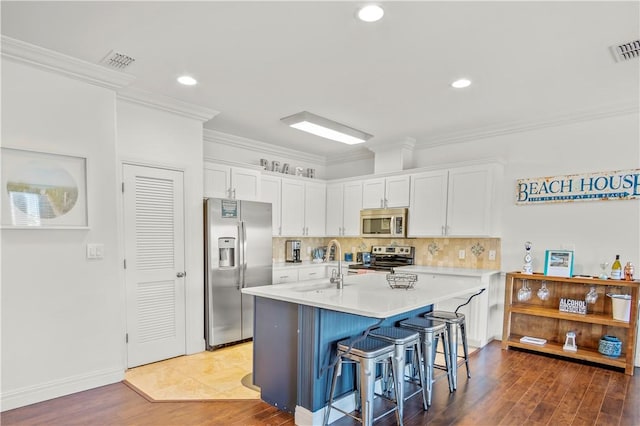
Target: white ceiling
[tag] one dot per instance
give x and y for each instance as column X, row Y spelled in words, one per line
column 257, row 62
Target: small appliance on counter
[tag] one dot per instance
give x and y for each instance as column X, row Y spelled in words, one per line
column 292, row 251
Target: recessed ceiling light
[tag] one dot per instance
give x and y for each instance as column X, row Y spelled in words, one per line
column 370, row 13
column 462, row 83
column 187, row 80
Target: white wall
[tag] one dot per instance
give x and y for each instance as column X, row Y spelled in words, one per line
column 157, row 138
column 62, row 315
column 598, row 229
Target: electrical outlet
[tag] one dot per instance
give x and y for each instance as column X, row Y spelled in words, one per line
column 461, row 254
column 492, row 255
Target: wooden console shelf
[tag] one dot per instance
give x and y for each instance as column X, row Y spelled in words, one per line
column 543, row 319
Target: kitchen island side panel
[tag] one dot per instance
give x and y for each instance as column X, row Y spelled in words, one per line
column 275, row 352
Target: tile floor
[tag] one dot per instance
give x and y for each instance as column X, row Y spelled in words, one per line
column 220, row 374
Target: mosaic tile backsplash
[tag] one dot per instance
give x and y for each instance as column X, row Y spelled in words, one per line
column 442, row 252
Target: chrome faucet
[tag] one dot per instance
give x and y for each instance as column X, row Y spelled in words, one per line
column 337, row 278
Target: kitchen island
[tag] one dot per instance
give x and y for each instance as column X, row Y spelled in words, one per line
column 297, row 325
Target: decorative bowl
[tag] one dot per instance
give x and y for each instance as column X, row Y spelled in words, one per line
column 610, row 346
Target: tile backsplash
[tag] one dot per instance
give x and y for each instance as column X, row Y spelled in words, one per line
column 443, row 252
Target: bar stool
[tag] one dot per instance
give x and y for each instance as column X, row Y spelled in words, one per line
column 367, row 353
column 431, row 331
column 454, row 321
column 404, row 340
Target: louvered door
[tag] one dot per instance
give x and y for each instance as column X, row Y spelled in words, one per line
column 154, row 274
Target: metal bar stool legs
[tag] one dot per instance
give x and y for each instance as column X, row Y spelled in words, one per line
column 404, row 340
column 366, row 353
column 454, row 321
column 431, row 331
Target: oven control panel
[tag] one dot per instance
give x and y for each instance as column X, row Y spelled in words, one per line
column 397, row 250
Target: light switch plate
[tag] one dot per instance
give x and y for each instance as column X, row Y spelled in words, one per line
column 461, row 254
column 95, row 251
column 492, row 255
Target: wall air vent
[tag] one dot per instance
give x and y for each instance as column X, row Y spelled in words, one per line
column 626, row 51
column 117, row 60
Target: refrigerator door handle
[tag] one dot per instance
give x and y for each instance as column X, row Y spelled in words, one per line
column 242, row 235
column 240, row 243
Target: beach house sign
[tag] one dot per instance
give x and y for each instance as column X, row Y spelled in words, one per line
column 616, row 185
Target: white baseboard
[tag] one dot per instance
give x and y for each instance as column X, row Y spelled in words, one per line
column 56, row 388
column 304, row 417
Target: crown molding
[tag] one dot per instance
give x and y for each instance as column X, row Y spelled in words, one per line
column 605, row 111
column 216, row 136
column 49, row 60
column 406, row 143
column 165, row 103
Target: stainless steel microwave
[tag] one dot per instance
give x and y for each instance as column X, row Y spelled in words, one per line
column 383, row 223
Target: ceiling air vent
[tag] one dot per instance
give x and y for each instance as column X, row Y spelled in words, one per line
column 626, row 51
column 117, row 60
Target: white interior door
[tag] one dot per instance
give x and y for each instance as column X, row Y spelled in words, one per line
column 154, row 263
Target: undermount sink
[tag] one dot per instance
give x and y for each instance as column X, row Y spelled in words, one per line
column 316, row 288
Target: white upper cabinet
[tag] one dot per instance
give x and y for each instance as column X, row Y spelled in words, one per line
column 388, row 192
column 315, row 202
column 344, row 201
column 270, row 192
column 292, row 207
column 428, row 210
column 454, row 202
column 470, row 200
column 303, row 208
column 224, row 181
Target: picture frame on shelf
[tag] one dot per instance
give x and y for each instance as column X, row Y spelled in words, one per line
column 558, row 263
column 43, row 190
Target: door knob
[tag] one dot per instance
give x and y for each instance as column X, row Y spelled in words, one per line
column 181, row 274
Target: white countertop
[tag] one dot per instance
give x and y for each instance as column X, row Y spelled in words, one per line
column 307, row 264
column 462, row 272
column 367, row 294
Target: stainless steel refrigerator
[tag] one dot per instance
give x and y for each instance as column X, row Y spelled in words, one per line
column 238, row 254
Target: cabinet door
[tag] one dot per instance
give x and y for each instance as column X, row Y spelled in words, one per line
column 245, row 184
column 270, row 193
column 292, row 212
column 373, row 193
column 397, row 191
column 428, row 204
column 469, row 203
column 352, row 204
column 312, row 273
column 217, row 180
column 335, row 210
column 285, row 275
column 315, row 209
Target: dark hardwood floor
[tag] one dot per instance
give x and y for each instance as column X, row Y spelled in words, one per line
column 507, row 388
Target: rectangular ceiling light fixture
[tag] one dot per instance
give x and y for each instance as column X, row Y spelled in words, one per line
column 326, row 128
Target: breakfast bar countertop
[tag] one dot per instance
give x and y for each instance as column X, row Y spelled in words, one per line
column 368, row 294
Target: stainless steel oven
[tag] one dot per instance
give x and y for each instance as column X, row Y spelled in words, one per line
column 382, row 223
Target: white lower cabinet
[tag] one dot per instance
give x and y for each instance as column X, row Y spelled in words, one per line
column 294, row 273
column 285, row 275
column 483, row 318
column 312, row 273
